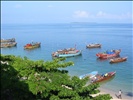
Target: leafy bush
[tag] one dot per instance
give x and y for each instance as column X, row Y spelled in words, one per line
column 43, row 80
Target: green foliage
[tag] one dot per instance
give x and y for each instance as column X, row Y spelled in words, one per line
column 102, row 97
column 43, row 80
column 11, row 87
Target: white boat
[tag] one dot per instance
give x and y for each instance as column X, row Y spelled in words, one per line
column 67, row 53
column 96, row 45
column 72, row 54
column 8, row 45
column 90, row 75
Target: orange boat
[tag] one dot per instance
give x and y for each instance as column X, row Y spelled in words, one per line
column 108, row 54
column 101, row 78
column 116, row 60
column 32, row 45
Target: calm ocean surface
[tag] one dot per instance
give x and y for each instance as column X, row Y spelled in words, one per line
column 60, row 36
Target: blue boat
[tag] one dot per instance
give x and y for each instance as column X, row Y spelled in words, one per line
column 90, row 75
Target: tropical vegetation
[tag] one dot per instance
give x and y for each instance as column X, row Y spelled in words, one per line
column 25, row 79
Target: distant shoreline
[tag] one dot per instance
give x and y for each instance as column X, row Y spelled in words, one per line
column 90, row 23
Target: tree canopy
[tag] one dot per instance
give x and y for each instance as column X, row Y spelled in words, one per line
column 22, row 78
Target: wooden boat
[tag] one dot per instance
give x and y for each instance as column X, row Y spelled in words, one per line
column 62, row 51
column 108, row 54
column 101, row 78
column 119, row 59
column 71, row 52
column 96, row 45
column 89, row 75
column 8, row 45
column 7, row 40
column 32, row 45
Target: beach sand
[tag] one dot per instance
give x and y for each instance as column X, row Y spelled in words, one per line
column 113, row 94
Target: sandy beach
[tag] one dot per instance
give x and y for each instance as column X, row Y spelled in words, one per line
column 113, row 94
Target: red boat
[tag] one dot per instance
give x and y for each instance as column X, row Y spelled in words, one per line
column 32, row 45
column 101, row 78
column 108, row 54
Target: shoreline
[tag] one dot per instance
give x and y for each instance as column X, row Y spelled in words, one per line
column 113, row 94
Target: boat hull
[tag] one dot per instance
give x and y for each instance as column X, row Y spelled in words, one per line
column 70, row 55
column 37, row 45
column 107, row 55
column 7, row 40
column 94, row 46
column 117, row 60
column 8, row 45
column 90, row 75
column 115, row 53
column 104, row 78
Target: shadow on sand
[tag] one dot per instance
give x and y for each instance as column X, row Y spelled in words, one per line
column 117, row 96
column 129, row 94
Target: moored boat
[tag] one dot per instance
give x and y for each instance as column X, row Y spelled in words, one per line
column 8, row 45
column 96, row 45
column 89, row 75
column 71, row 52
column 119, row 59
column 32, row 45
column 7, row 40
column 101, row 78
column 108, row 54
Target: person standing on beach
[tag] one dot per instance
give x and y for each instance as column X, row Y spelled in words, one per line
column 120, row 92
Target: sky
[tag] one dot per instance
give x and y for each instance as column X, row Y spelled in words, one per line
column 39, row 12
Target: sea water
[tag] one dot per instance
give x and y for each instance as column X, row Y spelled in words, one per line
column 59, row 36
